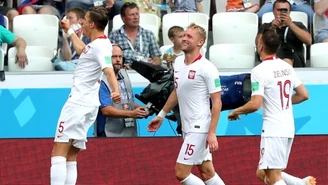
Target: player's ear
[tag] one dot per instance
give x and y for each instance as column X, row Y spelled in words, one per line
column 200, row 43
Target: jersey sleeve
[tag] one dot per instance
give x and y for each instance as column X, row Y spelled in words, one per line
column 103, row 56
column 297, row 81
column 212, row 79
column 258, row 82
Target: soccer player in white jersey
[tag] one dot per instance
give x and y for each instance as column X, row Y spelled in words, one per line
column 273, row 82
column 196, row 81
column 81, row 108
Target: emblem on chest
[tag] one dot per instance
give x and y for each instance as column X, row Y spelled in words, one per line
column 191, row 74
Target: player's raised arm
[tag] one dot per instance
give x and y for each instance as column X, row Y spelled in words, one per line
column 78, row 44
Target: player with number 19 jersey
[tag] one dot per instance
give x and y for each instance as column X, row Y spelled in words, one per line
column 275, row 80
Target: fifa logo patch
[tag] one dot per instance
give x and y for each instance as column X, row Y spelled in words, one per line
column 192, row 74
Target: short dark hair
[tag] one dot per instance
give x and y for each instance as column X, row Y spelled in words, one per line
column 78, row 12
column 174, row 30
column 127, row 5
column 270, row 40
column 99, row 16
column 281, row 1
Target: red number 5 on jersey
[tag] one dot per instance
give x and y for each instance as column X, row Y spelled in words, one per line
column 284, row 92
column 61, row 127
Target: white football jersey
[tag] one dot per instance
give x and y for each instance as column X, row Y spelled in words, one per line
column 275, row 80
column 86, row 81
column 194, row 83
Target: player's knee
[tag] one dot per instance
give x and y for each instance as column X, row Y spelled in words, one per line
column 72, row 153
column 181, row 173
column 61, row 149
column 206, row 172
column 260, row 174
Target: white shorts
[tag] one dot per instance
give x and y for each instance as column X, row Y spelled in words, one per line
column 274, row 152
column 74, row 122
column 193, row 150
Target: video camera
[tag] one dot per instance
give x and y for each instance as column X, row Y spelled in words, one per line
column 236, row 89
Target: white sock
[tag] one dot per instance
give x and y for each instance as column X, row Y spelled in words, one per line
column 192, row 180
column 291, row 180
column 215, row 180
column 280, row 182
column 71, row 174
column 58, row 170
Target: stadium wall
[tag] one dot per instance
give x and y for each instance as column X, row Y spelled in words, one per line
column 150, row 161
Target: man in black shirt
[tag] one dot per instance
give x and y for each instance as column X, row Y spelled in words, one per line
column 292, row 34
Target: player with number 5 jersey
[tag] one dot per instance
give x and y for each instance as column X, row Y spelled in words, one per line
column 81, row 108
column 273, row 83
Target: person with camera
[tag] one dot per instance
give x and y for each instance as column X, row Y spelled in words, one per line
column 118, row 120
column 292, row 34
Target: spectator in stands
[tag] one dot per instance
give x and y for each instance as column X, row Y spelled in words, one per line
column 186, row 6
column 8, row 37
column 292, row 34
column 137, row 43
column 296, row 5
column 113, row 6
column 241, row 6
column 175, row 34
column 67, row 56
column 40, row 7
column 10, row 13
column 118, row 120
column 321, row 8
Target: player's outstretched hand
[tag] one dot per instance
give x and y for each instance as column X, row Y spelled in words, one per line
column 116, row 97
column 154, row 124
column 233, row 116
column 64, row 24
column 212, row 142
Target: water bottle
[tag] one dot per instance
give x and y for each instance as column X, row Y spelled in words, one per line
column 77, row 28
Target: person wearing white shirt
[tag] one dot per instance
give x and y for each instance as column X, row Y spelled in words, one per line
column 196, row 81
column 273, row 83
column 81, row 108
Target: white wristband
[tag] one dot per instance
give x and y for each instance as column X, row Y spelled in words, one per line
column 70, row 32
column 162, row 114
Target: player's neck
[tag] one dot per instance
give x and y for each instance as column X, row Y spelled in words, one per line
column 95, row 34
column 190, row 57
column 265, row 56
